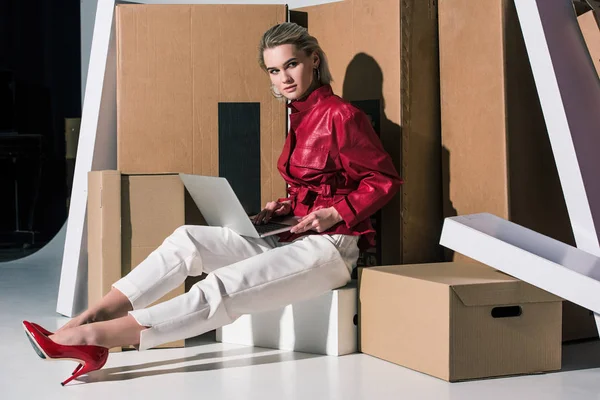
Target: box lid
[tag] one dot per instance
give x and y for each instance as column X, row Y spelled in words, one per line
column 474, row 284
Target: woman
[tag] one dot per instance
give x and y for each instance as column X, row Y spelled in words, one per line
column 338, row 175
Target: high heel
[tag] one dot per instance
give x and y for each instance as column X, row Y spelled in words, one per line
column 91, row 358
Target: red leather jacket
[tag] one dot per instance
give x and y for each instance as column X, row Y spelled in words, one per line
column 333, row 157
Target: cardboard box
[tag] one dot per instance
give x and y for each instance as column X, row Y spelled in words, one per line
column 204, row 105
column 323, row 325
column 496, row 154
column 588, row 22
column 129, row 216
column 551, row 265
column 386, row 63
column 458, row 321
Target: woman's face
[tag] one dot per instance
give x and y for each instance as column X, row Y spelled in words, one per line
column 291, row 71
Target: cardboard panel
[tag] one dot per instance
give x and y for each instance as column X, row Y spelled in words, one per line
column 484, row 346
column 168, row 115
column 396, row 326
column 389, row 53
column 496, row 153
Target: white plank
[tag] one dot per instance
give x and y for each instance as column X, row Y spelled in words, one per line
column 97, row 149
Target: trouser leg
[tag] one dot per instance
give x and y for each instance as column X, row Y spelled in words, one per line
column 189, row 251
column 294, row 272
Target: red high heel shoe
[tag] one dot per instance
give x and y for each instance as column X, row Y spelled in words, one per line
column 91, row 358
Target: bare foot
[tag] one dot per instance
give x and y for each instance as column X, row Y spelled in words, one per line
column 70, row 336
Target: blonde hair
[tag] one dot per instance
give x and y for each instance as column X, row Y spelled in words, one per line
column 292, row 33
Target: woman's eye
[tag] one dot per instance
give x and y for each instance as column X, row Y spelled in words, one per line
column 292, row 64
column 273, row 72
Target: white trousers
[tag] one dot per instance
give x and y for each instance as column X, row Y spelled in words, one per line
column 245, row 275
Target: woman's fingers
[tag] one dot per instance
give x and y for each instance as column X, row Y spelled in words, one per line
column 305, row 224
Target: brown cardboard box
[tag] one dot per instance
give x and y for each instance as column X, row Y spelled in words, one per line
column 588, row 22
column 129, row 216
column 496, row 154
column 383, row 56
column 446, row 320
column 169, row 106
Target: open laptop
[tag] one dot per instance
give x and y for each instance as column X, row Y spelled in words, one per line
column 219, row 206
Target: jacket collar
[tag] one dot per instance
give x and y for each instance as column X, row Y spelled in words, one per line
column 312, row 99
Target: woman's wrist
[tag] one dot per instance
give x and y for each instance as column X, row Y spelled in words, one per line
column 336, row 215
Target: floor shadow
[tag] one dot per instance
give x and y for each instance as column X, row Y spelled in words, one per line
column 581, row 355
column 197, row 357
column 122, row 374
column 447, row 206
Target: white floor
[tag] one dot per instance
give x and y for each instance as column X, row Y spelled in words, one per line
column 208, row 370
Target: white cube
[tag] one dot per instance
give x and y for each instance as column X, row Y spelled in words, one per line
column 324, row 325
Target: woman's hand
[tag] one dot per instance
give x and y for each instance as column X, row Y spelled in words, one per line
column 319, row 220
column 272, row 208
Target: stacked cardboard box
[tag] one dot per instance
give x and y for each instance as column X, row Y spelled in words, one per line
column 496, row 151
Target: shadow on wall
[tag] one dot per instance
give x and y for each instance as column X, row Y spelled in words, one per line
column 363, row 87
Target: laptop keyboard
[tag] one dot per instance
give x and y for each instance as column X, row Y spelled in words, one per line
column 268, row 227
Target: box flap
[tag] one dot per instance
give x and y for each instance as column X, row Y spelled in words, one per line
column 474, row 284
column 448, row 273
column 504, row 293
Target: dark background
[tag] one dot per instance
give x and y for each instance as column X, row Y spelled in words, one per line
column 40, row 86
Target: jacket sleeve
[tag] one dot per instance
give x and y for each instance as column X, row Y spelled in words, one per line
column 365, row 161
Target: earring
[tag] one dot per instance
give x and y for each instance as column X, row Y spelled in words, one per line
column 275, row 93
column 318, row 74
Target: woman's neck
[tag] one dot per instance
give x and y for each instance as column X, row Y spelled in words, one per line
column 314, row 86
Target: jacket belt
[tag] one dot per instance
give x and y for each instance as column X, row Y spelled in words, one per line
column 305, row 195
